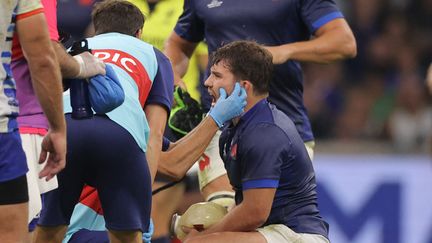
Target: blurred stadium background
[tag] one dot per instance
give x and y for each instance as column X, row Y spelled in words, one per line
column 372, row 118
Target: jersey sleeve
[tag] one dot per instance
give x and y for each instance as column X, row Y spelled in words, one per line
column 317, row 13
column 165, row 144
column 28, row 8
column 189, row 26
column 162, row 89
column 50, row 8
column 262, row 151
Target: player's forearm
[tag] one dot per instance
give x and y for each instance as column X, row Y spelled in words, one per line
column 179, row 51
column 46, row 79
column 326, row 49
column 185, row 152
column 157, row 118
column 44, row 68
column 153, row 153
column 333, row 42
column 68, row 65
column 179, row 61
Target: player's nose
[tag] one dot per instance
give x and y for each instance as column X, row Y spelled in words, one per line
column 208, row 82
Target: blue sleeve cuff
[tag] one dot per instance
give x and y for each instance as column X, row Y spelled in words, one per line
column 264, row 183
column 325, row 19
column 165, row 144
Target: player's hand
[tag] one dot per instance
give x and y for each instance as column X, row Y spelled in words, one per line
column 429, row 79
column 179, row 82
column 227, row 108
column 190, row 233
column 89, row 65
column 279, row 53
column 53, row 148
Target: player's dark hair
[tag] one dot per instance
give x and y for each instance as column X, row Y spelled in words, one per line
column 117, row 16
column 247, row 61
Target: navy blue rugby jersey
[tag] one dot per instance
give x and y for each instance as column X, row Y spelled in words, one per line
column 264, row 150
column 268, row 22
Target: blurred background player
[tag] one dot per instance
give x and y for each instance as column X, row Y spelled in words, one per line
column 267, row 163
column 75, row 17
column 32, row 123
column 26, row 17
column 135, row 138
column 221, row 22
column 161, row 17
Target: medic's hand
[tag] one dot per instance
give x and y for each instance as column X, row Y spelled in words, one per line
column 89, row 65
column 148, row 235
column 227, row 108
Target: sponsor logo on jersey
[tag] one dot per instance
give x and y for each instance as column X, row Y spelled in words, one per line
column 129, row 64
column 233, row 151
column 214, row 4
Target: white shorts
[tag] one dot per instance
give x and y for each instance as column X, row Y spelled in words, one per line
column 31, row 144
column 310, row 149
column 277, row 233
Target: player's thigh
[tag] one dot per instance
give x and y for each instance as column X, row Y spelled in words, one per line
column 13, row 222
column 32, row 147
column 13, row 188
column 229, row 237
column 122, row 178
column 31, row 144
column 89, row 236
column 13, row 209
column 12, row 158
column 314, row 238
column 59, row 203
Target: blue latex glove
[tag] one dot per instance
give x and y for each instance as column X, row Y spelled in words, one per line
column 226, row 108
column 105, row 91
column 148, row 235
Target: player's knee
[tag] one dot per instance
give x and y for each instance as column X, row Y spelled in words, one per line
column 223, row 198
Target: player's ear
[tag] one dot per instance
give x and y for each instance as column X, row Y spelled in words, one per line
column 246, row 85
column 138, row 34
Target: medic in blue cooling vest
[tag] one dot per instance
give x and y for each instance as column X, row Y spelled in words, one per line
column 117, row 152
